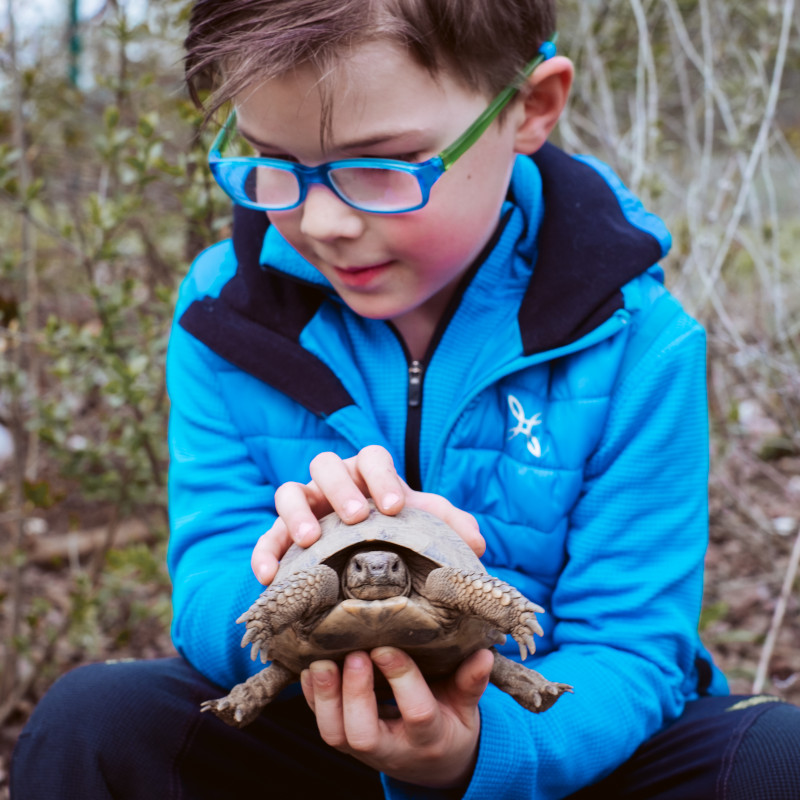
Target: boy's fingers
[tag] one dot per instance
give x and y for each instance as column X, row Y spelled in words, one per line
column 375, row 465
column 269, row 550
column 307, row 685
column 470, row 681
column 343, row 486
column 337, row 482
column 462, row 522
column 361, row 721
column 417, row 705
column 325, row 683
column 297, row 505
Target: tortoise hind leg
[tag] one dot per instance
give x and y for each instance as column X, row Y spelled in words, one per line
column 530, row 689
column 246, row 700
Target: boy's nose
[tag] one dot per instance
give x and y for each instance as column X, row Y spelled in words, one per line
column 326, row 217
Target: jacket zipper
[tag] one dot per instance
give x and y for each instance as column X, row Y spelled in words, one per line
column 416, row 368
column 416, row 373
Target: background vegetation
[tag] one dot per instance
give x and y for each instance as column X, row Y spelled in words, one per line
column 104, row 200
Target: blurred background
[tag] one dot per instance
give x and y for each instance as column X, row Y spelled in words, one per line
column 105, row 199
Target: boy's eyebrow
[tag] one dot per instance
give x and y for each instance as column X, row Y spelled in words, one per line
column 369, row 141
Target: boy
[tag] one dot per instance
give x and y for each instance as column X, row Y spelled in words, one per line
column 467, row 323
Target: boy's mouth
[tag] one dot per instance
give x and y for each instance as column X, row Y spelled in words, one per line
column 360, row 276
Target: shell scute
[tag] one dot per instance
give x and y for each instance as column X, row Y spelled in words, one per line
column 412, row 529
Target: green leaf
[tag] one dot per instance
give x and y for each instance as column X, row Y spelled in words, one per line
column 111, row 117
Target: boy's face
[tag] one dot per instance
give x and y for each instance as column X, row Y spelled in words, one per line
column 399, row 267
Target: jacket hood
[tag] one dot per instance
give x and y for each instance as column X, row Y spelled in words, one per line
column 594, row 238
column 589, row 238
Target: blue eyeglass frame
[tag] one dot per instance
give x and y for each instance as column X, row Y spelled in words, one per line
column 231, row 173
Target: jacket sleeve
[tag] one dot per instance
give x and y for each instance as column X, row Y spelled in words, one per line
column 214, row 522
column 627, row 602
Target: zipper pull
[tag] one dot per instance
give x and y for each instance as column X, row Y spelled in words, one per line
column 415, row 372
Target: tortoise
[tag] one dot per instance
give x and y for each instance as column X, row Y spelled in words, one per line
column 408, row 581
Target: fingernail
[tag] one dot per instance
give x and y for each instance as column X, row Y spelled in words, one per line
column 321, row 674
column 352, row 508
column 303, row 532
column 263, row 575
column 390, row 500
column 383, row 657
column 359, row 661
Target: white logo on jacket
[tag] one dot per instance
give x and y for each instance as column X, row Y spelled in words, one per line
column 525, row 426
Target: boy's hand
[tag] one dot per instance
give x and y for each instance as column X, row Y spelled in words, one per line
column 344, row 486
column 434, row 739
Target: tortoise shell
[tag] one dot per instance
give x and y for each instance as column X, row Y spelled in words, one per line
column 435, row 637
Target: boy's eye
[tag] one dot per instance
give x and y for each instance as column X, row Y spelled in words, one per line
column 290, row 159
column 410, row 157
column 407, row 157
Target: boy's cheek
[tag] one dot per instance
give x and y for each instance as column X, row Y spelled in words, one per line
column 458, row 232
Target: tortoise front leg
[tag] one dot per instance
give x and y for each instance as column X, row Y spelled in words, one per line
column 281, row 604
column 488, row 598
column 246, row 700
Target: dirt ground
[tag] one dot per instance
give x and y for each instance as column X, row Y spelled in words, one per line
column 755, row 514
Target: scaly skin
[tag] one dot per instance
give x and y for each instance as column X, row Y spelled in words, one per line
column 530, row 689
column 488, row 598
column 303, row 595
column 247, row 700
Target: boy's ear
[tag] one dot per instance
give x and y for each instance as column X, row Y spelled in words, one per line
column 543, row 100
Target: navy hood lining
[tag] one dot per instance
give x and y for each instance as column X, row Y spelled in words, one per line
column 588, row 250
column 266, row 346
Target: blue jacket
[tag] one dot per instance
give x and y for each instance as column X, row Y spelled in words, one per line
column 562, row 403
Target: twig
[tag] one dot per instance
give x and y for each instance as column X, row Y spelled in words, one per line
column 759, row 146
column 48, row 549
column 29, row 357
column 744, row 505
column 22, row 687
column 704, row 67
column 646, row 97
column 17, row 528
column 777, row 617
column 609, row 129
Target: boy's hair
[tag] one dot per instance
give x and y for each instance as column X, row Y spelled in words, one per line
column 483, row 43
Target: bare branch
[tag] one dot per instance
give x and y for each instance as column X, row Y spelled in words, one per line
column 777, row 617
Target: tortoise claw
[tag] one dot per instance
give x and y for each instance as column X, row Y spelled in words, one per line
column 526, row 644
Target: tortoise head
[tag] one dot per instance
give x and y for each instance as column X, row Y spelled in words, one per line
column 375, row 574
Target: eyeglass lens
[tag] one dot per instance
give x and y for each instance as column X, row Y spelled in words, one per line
column 369, row 188
column 377, row 189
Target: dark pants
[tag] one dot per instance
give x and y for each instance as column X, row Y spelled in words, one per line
column 132, row 730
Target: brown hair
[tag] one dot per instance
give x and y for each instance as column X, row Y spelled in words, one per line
column 484, row 43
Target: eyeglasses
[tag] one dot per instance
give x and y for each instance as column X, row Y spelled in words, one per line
column 375, row 185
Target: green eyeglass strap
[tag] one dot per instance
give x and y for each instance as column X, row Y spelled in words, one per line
column 450, row 154
column 221, row 139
